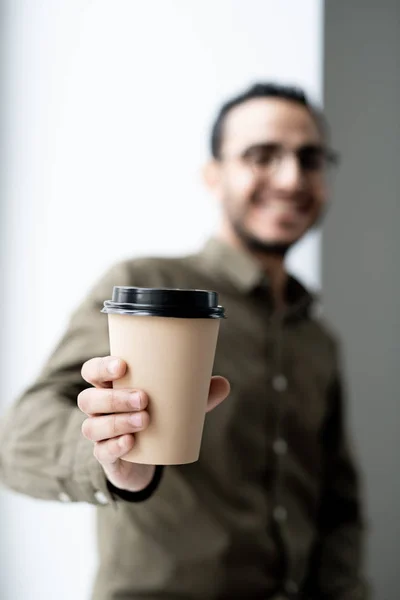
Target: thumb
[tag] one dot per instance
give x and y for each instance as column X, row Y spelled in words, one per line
column 219, row 390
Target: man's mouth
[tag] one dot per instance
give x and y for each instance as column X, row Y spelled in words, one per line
column 283, row 207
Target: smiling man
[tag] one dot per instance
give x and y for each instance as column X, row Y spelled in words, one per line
column 272, row 509
column 268, row 171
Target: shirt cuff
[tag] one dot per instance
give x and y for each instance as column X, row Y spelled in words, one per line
column 142, row 494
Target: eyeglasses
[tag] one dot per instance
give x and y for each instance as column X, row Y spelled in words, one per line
column 311, row 158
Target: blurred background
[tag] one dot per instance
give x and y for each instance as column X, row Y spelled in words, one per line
column 105, row 117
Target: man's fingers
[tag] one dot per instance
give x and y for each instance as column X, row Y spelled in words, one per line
column 94, row 401
column 108, row 452
column 219, row 390
column 101, row 371
column 111, row 426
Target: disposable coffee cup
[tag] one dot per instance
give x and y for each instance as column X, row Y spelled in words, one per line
column 167, row 337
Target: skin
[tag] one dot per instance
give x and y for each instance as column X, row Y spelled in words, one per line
column 278, row 208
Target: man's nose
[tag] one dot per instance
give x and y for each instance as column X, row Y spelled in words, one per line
column 288, row 175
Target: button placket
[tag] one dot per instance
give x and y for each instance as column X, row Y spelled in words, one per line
column 279, row 384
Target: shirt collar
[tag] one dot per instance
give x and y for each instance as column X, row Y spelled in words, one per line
column 237, row 265
column 245, row 272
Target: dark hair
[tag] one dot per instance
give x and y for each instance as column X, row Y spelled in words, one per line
column 263, row 90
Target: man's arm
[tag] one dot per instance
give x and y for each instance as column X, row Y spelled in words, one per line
column 42, row 450
column 64, row 438
column 336, row 565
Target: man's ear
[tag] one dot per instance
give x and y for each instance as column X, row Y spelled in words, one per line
column 211, row 173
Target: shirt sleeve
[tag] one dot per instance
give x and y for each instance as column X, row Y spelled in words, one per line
column 336, row 566
column 42, row 450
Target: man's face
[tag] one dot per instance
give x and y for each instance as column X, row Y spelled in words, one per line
column 270, row 184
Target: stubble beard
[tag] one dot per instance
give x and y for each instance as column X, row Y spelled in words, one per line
column 255, row 244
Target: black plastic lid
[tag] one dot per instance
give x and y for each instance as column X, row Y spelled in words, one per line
column 164, row 302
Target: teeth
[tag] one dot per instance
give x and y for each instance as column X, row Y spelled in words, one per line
column 280, row 206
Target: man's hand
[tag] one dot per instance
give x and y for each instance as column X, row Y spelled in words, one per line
column 115, row 415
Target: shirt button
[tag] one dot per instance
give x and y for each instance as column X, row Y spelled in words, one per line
column 280, row 446
column 63, row 497
column 279, row 383
column 280, row 514
column 316, row 310
column 101, row 497
column 291, row 587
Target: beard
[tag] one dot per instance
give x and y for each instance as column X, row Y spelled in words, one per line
column 254, row 244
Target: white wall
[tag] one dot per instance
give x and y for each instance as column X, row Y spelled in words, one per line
column 107, row 109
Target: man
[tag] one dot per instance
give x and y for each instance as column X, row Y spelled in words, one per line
column 271, row 509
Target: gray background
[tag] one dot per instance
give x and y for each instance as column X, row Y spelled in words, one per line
column 360, row 252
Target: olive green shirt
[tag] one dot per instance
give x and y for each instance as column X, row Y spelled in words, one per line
column 272, row 507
